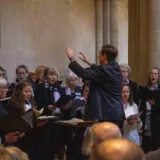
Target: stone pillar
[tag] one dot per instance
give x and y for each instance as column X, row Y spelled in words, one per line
column 154, row 33
column 114, row 22
column 99, row 26
column 123, row 31
column 115, row 26
column 138, row 40
column 106, row 21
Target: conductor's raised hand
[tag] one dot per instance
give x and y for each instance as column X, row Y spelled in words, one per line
column 70, row 53
column 84, row 57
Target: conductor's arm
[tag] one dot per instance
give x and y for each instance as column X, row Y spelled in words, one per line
column 94, row 73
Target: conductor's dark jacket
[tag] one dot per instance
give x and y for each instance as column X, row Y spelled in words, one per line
column 104, row 99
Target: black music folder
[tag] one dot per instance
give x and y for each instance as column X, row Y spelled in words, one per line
column 62, row 101
column 16, row 122
column 147, row 94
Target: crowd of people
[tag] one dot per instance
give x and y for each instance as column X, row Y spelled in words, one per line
column 105, row 94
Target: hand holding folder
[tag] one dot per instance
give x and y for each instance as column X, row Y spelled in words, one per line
column 64, row 100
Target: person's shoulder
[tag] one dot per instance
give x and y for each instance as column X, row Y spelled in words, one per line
column 111, row 64
column 132, row 83
column 40, row 86
column 12, row 107
column 134, row 105
column 11, row 104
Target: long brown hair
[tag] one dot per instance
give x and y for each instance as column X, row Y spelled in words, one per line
column 17, row 96
column 130, row 99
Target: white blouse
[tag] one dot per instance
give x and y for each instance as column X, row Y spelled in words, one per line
column 131, row 131
column 27, row 107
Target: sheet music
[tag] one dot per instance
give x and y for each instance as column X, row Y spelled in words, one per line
column 73, row 121
column 46, row 117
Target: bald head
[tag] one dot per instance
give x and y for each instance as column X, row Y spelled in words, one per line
column 117, row 149
column 105, row 131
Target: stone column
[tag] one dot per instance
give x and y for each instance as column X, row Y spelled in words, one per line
column 115, row 26
column 154, row 32
column 114, row 22
column 106, row 21
column 99, row 26
column 138, row 40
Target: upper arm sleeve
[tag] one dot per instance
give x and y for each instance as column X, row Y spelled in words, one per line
column 94, row 73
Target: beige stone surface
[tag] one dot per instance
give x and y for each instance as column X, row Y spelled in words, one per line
column 99, row 26
column 115, row 23
column 138, row 40
column 35, row 32
column 154, row 33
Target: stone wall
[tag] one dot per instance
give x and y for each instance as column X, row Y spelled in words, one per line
column 35, row 32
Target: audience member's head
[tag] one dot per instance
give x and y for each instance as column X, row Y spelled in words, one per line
column 39, row 74
column 117, row 149
column 153, row 155
column 51, row 75
column 3, row 88
column 125, row 71
column 12, row 153
column 97, row 134
column 71, row 80
column 105, row 131
column 21, row 72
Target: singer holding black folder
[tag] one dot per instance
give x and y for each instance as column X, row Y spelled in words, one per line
column 151, row 112
column 48, row 92
column 34, row 143
column 104, row 99
column 6, row 138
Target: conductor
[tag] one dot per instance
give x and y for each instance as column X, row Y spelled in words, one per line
column 104, row 99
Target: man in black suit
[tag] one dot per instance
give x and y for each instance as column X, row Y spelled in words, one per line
column 104, row 99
